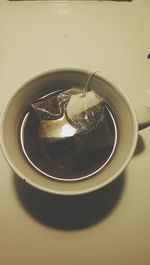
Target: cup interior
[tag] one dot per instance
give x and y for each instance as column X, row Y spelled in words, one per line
column 18, row 104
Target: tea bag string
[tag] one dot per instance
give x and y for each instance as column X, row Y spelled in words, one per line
column 85, row 89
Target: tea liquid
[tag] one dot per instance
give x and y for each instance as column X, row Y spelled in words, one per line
column 63, row 160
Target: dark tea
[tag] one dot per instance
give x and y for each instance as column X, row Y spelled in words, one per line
column 66, row 159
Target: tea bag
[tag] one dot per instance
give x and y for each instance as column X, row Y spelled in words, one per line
column 52, row 107
column 50, row 111
column 84, row 117
column 89, row 115
column 86, row 111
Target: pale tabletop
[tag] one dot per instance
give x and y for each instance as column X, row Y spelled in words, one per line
column 111, row 226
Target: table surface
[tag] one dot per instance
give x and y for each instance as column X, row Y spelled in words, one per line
column 110, row 226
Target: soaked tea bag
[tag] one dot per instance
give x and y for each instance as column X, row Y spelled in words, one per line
column 85, row 111
column 70, row 114
column 89, row 115
column 51, row 107
column 50, row 111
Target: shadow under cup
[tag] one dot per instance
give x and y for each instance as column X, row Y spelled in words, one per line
column 18, row 104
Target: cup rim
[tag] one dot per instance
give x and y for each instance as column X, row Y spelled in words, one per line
column 66, row 192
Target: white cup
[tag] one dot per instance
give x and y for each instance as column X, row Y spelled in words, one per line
column 127, row 127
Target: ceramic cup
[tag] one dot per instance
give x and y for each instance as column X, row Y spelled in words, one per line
column 127, row 127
